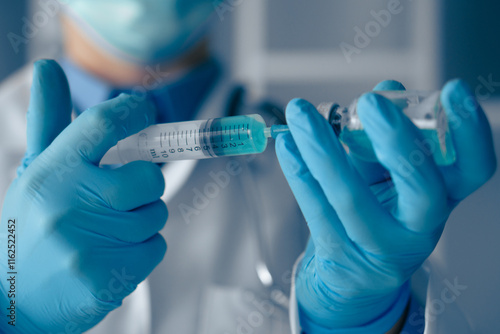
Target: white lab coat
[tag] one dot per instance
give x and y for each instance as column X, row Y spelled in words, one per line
column 207, row 282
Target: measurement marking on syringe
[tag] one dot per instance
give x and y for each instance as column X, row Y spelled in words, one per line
column 177, row 138
column 169, row 145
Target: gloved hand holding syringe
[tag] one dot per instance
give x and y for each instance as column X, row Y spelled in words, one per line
column 239, row 135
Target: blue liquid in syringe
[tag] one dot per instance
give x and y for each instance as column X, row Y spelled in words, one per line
column 235, row 136
column 211, row 138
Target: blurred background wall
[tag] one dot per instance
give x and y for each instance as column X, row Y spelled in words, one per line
column 471, row 44
column 335, row 49
column 11, row 22
column 464, row 35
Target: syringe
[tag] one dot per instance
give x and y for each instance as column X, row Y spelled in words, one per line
column 216, row 137
column 238, row 135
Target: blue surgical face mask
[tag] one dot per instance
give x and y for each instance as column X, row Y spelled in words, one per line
column 143, row 31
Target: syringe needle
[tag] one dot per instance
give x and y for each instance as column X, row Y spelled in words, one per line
column 275, row 130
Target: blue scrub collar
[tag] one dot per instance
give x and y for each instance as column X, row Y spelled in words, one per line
column 176, row 100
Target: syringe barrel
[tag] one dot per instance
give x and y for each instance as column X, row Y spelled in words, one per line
column 203, row 139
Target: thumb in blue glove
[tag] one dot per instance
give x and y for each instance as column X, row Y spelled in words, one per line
column 82, row 237
column 49, row 111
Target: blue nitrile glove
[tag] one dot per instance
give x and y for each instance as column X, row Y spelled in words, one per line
column 369, row 231
column 84, row 236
